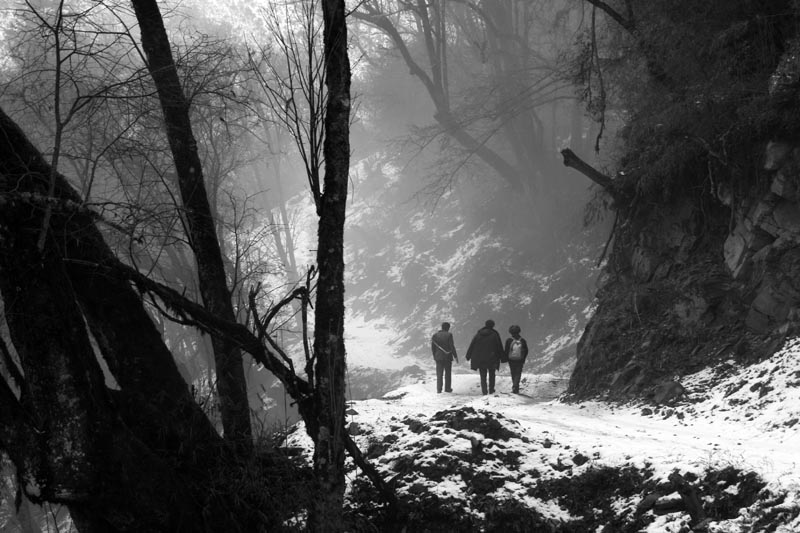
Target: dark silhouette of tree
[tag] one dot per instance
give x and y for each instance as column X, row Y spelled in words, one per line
column 214, row 290
column 328, row 429
column 124, row 445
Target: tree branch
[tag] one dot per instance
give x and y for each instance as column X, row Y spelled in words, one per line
column 372, row 473
column 443, row 115
column 627, row 23
column 210, row 323
column 609, row 185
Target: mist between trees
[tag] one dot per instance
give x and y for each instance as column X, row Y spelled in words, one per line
column 174, row 184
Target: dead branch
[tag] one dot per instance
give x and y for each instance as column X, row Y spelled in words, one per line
column 374, row 476
column 571, row 160
column 690, row 499
column 261, row 324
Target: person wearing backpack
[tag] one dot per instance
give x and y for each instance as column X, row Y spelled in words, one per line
column 444, row 352
column 516, row 352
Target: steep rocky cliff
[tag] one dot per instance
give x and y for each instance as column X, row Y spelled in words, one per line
column 710, row 274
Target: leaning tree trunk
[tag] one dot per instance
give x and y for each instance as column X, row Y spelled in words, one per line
column 138, row 457
column 328, row 432
column 60, row 427
column 231, row 383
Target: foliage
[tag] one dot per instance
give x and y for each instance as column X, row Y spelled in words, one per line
column 689, row 82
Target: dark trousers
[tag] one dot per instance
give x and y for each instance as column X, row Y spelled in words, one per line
column 516, row 372
column 443, row 368
column 483, row 371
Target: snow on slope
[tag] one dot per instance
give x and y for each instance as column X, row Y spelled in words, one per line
column 474, row 454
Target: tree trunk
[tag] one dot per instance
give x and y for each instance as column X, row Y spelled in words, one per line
column 443, row 115
column 140, row 458
column 62, row 433
column 231, row 383
column 328, row 435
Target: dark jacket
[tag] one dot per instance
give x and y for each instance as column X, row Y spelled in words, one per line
column 485, row 350
column 442, row 346
column 508, row 348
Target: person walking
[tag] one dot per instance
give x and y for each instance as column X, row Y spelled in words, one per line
column 444, row 352
column 516, row 351
column 485, row 353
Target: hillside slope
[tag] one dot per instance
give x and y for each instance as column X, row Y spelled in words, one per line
column 705, row 264
column 416, row 267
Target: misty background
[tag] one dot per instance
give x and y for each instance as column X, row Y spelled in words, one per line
column 460, row 208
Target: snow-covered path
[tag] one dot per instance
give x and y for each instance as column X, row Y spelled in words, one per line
column 615, row 434
column 744, row 417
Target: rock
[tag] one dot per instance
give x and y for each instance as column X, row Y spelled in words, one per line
column 354, row 429
column 775, row 154
column 580, row 459
column 436, row 442
column 761, row 215
column 740, row 246
column 725, row 194
column 735, row 252
column 647, row 502
column 783, row 184
column 376, row 450
column 787, row 218
column 417, row 488
column 771, row 303
column 642, row 264
column 668, row 392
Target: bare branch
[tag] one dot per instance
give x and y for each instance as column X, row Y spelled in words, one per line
column 609, row 185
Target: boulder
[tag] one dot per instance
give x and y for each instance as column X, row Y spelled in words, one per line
column 642, row 263
column 775, row 154
column 668, row 392
column 735, row 252
column 740, row 246
column 761, row 215
column 783, row 184
column 770, row 302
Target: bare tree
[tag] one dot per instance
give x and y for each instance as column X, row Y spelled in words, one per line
column 201, row 226
column 328, row 429
column 523, row 81
column 292, row 79
column 146, row 421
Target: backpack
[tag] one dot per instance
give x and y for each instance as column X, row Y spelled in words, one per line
column 515, row 353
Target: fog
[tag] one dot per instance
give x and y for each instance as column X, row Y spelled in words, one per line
column 460, row 208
